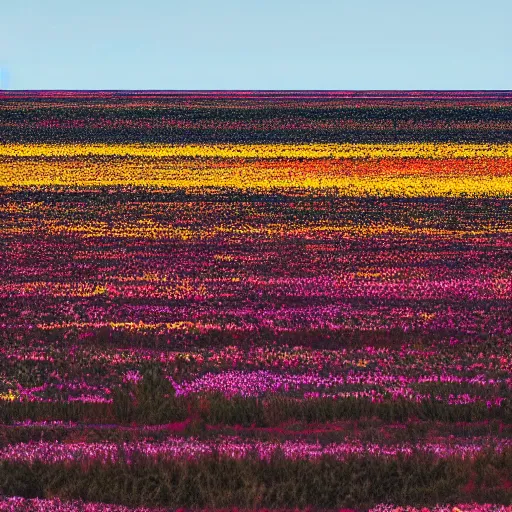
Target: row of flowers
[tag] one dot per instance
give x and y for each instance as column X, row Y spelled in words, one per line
column 370, row 385
column 447, row 360
column 18, row 504
column 235, row 447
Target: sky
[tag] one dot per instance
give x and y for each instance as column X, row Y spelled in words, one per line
column 255, row 44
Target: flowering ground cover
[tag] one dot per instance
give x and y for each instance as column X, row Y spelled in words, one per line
column 263, row 301
column 41, row 505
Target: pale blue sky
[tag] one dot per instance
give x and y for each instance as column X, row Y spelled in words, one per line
column 259, row 44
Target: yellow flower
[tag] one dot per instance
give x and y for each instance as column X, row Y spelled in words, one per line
column 10, row 396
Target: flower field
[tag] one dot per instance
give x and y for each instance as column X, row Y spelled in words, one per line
column 256, row 301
